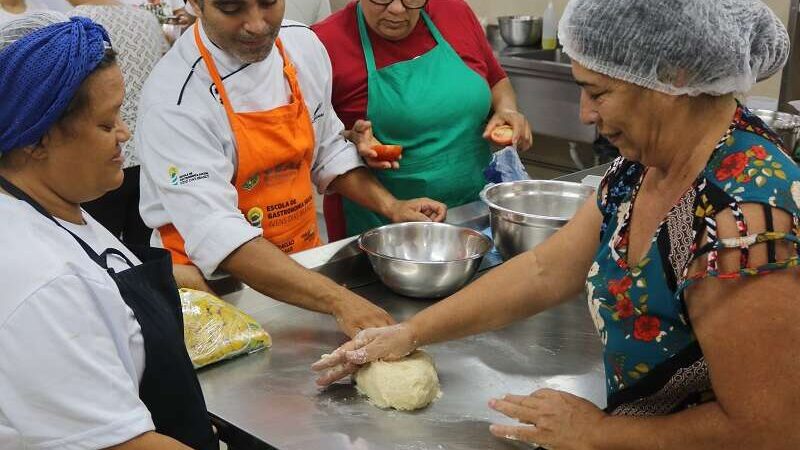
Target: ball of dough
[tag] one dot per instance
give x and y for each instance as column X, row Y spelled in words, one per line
column 406, row 384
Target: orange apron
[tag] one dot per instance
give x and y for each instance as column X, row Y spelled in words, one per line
column 275, row 150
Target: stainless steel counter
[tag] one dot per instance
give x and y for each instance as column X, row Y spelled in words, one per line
column 269, row 399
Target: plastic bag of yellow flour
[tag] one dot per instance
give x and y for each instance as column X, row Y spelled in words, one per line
column 214, row 330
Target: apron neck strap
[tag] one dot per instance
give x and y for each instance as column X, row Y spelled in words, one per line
column 100, row 259
column 366, row 44
column 212, row 70
column 288, row 71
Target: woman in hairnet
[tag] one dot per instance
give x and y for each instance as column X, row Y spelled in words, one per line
column 688, row 254
column 91, row 335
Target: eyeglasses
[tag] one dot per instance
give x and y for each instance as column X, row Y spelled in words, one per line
column 408, row 4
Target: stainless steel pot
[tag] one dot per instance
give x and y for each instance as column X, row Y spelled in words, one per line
column 520, row 30
column 525, row 213
column 786, row 125
column 424, row 259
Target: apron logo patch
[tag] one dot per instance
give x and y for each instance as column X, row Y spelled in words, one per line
column 251, row 183
column 256, row 217
column 287, row 246
column 308, row 236
column 176, row 178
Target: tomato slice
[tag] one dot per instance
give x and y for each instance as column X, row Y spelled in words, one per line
column 502, row 135
column 388, row 152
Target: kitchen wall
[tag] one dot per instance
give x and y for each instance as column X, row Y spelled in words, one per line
column 490, row 9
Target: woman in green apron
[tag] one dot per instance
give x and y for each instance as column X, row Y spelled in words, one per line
column 434, row 104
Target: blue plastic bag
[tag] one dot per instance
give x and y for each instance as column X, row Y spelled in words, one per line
column 505, row 166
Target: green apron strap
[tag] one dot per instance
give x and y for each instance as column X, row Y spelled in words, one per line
column 437, row 36
column 366, row 44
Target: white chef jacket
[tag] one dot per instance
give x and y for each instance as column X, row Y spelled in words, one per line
column 71, row 351
column 186, row 145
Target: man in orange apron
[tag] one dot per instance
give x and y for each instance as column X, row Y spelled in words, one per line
column 235, row 130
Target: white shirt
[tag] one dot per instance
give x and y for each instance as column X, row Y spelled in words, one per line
column 307, row 11
column 53, row 5
column 182, row 126
column 72, row 351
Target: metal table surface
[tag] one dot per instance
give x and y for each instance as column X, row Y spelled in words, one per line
column 269, row 399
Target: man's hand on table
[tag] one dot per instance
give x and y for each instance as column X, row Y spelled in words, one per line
column 386, row 343
column 354, row 313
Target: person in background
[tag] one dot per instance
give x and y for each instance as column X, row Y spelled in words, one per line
column 689, row 254
column 139, row 43
column 419, row 74
column 235, row 132
column 90, row 332
column 12, row 9
column 307, row 11
column 303, row 11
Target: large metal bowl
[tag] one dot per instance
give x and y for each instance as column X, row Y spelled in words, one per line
column 520, row 30
column 424, row 259
column 525, row 213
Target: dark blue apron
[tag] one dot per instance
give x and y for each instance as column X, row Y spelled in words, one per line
column 169, row 387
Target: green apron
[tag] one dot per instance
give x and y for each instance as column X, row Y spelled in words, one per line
column 436, row 107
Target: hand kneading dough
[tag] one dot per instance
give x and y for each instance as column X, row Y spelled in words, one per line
column 406, row 384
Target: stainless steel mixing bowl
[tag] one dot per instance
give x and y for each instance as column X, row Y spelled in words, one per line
column 525, row 213
column 424, row 259
column 520, row 30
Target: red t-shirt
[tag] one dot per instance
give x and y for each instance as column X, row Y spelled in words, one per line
column 339, row 33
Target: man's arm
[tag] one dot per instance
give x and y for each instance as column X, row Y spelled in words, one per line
column 363, row 188
column 265, row 268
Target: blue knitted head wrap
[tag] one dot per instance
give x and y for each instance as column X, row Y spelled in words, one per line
column 40, row 74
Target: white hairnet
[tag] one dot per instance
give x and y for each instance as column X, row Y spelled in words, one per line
column 16, row 29
column 679, row 47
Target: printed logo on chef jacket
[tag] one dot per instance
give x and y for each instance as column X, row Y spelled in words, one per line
column 256, row 217
column 251, row 183
column 318, row 114
column 173, row 175
column 176, row 178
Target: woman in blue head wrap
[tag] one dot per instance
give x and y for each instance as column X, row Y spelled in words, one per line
column 90, row 331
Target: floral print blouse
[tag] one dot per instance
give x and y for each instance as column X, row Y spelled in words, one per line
column 653, row 362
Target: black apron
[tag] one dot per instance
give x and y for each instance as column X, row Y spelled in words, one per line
column 169, row 387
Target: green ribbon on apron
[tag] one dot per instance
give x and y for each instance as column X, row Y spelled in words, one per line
column 436, row 107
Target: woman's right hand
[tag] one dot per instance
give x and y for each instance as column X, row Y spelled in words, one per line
column 362, row 136
column 385, row 343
